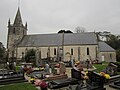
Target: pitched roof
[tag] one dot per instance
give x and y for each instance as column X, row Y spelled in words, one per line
column 103, row 47
column 87, row 38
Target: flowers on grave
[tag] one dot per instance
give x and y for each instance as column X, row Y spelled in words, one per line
column 86, row 77
column 42, row 68
column 57, row 65
column 41, row 83
column 37, row 81
column 35, row 69
column 30, row 69
column 77, row 63
column 102, row 73
column 32, row 79
column 107, row 76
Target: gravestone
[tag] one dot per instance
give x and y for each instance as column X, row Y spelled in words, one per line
column 87, row 64
column 11, row 66
column 111, row 69
column 95, row 81
column 115, row 85
column 61, row 83
column 62, row 68
column 47, row 68
column 10, row 76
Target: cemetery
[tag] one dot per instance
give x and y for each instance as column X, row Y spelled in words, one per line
column 65, row 60
column 80, row 76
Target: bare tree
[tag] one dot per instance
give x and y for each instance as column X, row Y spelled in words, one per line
column 80, row 29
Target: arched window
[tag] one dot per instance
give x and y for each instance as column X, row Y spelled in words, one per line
column 72, row 51
column 87, row 51
column 22, row 54
column 54, row 51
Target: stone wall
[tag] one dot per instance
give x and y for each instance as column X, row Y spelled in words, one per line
column 67, row 52
column 108, row 56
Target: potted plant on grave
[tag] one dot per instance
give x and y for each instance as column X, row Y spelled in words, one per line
column 43, row 85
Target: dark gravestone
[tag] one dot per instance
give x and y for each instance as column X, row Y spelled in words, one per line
column 78, row 76
column 111, row 69
column 11, row 77
column 95, row 81
column 115, row 84
column 38, row 74
column 75, row 74
column 11, row 66
column 56, row 84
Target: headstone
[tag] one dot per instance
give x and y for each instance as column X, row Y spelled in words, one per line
column 95, row 81
column 47, row 68
column 75, row 74
column 62, row 68
column 111, row 69
column 11, row 66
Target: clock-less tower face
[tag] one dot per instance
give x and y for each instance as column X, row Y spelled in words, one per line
column 16, row 31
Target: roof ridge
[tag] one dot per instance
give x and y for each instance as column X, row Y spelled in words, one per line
column 59, row 33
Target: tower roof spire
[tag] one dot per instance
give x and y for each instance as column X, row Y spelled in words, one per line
column 18, row 19
column 9, row 22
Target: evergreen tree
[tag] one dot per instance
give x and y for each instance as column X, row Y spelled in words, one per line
column 30, row 54
column 114, row 42
column 2, row 51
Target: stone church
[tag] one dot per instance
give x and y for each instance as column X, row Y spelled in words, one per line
column 77, row 46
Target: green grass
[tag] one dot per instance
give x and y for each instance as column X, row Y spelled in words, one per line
column 19, row 86
column 100, row 67
column 17, row 68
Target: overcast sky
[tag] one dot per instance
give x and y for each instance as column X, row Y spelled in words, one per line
column 50, row 16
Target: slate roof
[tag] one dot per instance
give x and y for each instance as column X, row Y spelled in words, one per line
column 103, row 47
column 87, row 38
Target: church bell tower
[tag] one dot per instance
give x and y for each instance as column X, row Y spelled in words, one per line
column 16, row 32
